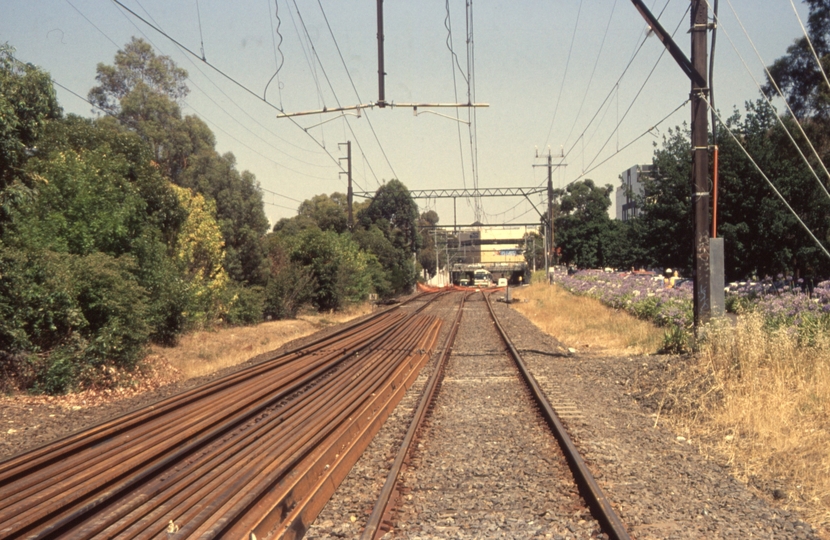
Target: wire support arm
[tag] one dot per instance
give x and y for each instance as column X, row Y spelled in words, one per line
column 391, row 105
column 666, row 39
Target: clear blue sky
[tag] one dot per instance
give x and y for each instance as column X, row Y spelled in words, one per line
column 533, row 65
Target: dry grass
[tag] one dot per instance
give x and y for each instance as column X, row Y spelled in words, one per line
column 582, row 322
column 205, row 352
column 756, row 400
column 769, row 416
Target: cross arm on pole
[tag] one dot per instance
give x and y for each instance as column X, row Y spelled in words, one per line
column 665, row 38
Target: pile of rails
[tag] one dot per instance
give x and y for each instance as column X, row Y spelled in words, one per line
column 254, row 454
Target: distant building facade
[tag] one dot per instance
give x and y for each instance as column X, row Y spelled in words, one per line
column 488, row 245
column 631, row 191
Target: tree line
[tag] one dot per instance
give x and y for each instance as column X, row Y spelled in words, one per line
column 761, row 236
column 131, row 228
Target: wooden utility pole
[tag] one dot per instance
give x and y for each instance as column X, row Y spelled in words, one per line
column 700, row 162
column 349, row 190
column 381, row 72
column 696, row 71
column 550, row 241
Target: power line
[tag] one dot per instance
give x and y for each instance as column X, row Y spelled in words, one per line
column 223, row 74
column 368, row 119
column 613, row 87
column 277, row 50
column 810, row 43
column 637, row 95
column 593, row 71
column 771, row 185
column 241, row 109
column 453, row 64
column 564, row 74
column 331, row 87
column 775, row 113
column 90, row 22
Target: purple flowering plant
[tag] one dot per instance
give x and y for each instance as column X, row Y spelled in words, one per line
column 784, row 302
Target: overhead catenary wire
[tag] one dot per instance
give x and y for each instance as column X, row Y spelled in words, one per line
column 766, row 178
column 225, row 75
column 234, row 118
column 621, row 149
column 564, row 74
column 279, row 59
column 331, row 87
column 357, row 94
column 472, row 125
column 781, row 94
column 453, row 64
column 108, row 113
column 778, row 117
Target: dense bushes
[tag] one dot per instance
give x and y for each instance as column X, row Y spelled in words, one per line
column 131, row 228
column 65, row 317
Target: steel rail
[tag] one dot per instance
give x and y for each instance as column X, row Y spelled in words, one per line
column 143, row 446
column 35, row 459
column 185, row 428
column 246, row 445
column 388, row 494
column 341, row 457
column 600, row 506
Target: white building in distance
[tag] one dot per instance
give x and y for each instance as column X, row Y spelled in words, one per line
column 630, row 191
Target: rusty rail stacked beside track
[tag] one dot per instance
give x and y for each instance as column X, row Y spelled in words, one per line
column 255, row 454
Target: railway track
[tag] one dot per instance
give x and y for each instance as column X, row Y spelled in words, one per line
column 257, row 454
column 390, row 506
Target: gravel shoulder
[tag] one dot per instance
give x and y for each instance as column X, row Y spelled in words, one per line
column 661, row 486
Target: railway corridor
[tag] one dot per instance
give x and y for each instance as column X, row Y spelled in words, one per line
column 259, row 452
column 488, row 466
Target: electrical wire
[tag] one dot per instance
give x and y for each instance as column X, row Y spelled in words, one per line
column 278, row 62
column 780, row 93
column 637, row 95
column 233, row 117
column 201, row 39
column 472, row 125
column 453, row 64
column 56, row 83
column 809, row 42
column 777, row 116
column 368, row 119
column 331, row 88
column 225, row 75
column 92, row 23
column 613, row 87
column 712, row 70
column 593, row 71
column 564, row 74
column 311, row 65
column 771, row 185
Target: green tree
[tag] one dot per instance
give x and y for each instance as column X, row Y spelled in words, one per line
column 665, row 224
column 329, row 212
column 143, row 90
column 583, row 226
column 393, row 214
column 27, row 103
